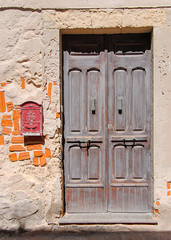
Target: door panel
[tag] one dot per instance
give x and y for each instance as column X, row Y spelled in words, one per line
column 120, row 93
column 139, row 101
column 79, row 199
column 138, row 162
column 93, row 96
column 107, row 123
column 75, row 86
column 93, row 163
column 129, row 150
column 84, row 106
column 75, row 160
column 120, row 159
column 127, row 199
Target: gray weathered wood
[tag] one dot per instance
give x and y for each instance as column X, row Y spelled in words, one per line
column 129, row 161
column 84, row 80
column 107, row 159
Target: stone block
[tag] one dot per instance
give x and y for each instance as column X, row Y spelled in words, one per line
column 13, row 157
column 6, row 123
column 2, row 102
column 6, row 131
column 38, row 153
column 24, row 156
column 17, row 140
column 43, row 161
column 34, row 147
column 16, row 148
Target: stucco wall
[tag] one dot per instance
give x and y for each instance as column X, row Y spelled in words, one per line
column 31, row 194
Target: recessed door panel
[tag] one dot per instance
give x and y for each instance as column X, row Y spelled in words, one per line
column 75, row 86
column 139, row 100
column 94, row 100
column 94, row 163
column 120, row 162
column 75, row 160
column 138, row 158
column 120, row 90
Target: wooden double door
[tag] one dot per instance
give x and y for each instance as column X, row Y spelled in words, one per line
column 107, row 123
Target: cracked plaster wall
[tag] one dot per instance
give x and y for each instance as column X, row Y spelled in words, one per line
column 31, row 50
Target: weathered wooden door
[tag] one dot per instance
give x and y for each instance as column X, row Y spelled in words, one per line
column 106, row 126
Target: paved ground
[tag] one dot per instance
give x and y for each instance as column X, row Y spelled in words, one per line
column 87, row 235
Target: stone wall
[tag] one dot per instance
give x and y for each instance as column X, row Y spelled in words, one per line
column 31, row 171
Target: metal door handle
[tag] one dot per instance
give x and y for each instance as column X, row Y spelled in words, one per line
column 87, row 145
column 120, row 104
column 128, row 140
column 93, row 105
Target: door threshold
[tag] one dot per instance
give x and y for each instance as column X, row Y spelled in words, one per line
column 107, row 218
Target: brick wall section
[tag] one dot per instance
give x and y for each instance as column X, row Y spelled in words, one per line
column 169, row 188
column 49, row 90
column 156, row 209
column 22, row 83
column 10, row 106
column 2, row 102
column 36, row 154
column 1, row 140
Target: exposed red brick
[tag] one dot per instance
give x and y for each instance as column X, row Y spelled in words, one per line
column 10, row 106
column 6, row 117
column 16, row 133
column 17, row 106
column 47, row 153
column 6, row 131
column 49, row 90
column 34, row 147
column 157, row 203
column 57, row 115
column 4, row 84
column 36, row 161
column 38, row 153
column 6, row 123
column 43, row 160
column 13, row 157
column 168, row 193
column 2, row 102
column 168, row 185
column 22, row 83
column 16, row 148
column 156, row 210
column 17, row 140
column 24, row 156
column 16, row 114
column 16, row 125
column 1, row 140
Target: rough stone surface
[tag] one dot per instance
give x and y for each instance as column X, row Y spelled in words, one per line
column 31, row 196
